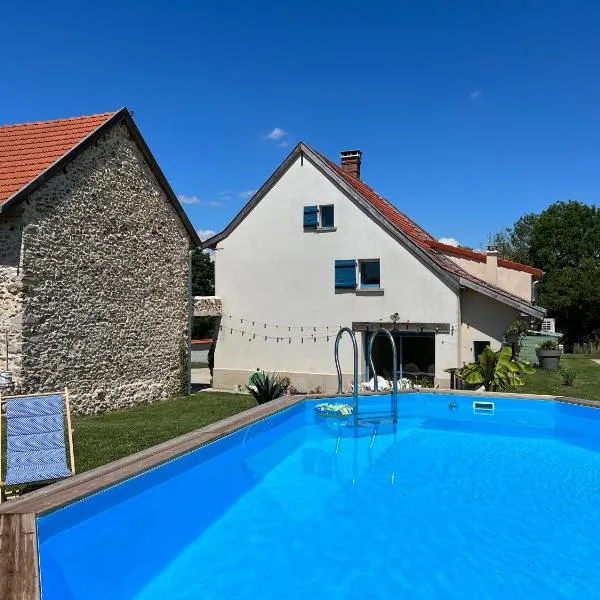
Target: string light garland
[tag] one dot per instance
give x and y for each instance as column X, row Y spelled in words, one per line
column 309, row 332
column 289, row 327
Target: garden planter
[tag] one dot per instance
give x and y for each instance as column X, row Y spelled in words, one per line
column 549, row 359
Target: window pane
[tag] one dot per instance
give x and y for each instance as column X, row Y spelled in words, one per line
column 369, row 274
column 327, row 216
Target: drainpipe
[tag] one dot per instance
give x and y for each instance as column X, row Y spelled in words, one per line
column 534, row 291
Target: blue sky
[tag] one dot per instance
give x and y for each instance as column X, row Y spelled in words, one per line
column 468, row 113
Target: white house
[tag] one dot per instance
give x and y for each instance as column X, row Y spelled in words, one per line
column 316, row 249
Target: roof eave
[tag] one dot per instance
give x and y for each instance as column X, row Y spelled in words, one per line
column 258, row 196
column 162, row 180
column 529, row 309
column 303, row 150
column 61, row 163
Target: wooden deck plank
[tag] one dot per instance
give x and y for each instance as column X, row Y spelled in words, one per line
column 68, row 490
column 19, row 577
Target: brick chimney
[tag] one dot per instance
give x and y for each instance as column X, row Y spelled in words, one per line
column 351, row 160
column 491, row 265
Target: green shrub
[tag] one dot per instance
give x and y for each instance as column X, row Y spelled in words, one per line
column 568, row 376
column 496, row 371
column 423, row 381
column 548, row 345
column 265, row 387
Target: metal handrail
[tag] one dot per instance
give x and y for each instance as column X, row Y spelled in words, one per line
column 395, row 370
column 339, row 368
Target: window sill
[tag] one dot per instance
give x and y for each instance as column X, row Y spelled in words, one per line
column 369, row 291
column 325, row 229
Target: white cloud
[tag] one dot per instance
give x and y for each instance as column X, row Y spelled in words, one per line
column 449, row 241
column 189, row 199
column 185, row 199
column 283, row 144
column 247, row 194
column 204, row 234
column 276, row 134
column 476, row 94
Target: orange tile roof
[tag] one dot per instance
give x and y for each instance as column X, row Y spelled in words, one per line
column 480, row 257
column 417, row 234
column 28, row 149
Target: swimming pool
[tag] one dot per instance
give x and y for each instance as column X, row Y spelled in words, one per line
column 455, row 502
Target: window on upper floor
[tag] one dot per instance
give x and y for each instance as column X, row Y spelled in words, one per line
column 357, row 275
column 319, row 217
column 326, row 214
column 369, row 274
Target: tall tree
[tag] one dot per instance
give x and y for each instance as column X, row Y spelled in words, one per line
column 564, row 234
column 572, row 296
column 203, row 284
column 203, row 274
column 514, row 243
column 564, row 241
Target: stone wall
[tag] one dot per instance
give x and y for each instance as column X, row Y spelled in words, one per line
column 207, row 306
column 11, row 296
column 105, row 272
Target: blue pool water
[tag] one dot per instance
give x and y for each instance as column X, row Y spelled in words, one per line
column 450, row 505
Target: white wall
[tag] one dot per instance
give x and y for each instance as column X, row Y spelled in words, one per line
column 270, row 270
column 483, row 319
column 511, row 280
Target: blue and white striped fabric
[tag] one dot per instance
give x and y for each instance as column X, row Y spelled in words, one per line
column 35, row 439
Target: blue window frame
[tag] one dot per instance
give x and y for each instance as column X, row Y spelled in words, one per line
column 327, row 215
column 370, row 274
column 345, row 274
column 311, row 217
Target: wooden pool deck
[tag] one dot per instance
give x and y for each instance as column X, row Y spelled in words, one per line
column 19, row 560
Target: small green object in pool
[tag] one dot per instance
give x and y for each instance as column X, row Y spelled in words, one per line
column 330, row 409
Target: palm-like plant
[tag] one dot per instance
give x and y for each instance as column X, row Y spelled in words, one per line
column 495, row 370
column 266, row 387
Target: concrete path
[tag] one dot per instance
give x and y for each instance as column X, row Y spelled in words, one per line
column 596, row 360
column 200, row 376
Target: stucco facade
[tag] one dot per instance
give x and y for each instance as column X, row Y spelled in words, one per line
column 276, row 280
column 94, row 281
column 516, row 282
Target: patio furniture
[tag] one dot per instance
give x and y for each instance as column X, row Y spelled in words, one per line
column 35, row 438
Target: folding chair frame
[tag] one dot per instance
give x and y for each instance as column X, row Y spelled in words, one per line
column 67, row 410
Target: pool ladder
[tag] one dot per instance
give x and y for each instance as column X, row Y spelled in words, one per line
column 355, row 371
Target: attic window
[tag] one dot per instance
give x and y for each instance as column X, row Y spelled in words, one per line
column 326, row 214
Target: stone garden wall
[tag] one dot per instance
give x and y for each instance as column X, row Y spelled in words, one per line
column 105, row 270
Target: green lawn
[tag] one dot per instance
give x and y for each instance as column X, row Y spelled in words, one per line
column 587, row 382
column 199, row 365
column 107, row 437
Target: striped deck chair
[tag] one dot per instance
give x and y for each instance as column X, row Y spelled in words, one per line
column 35, row 438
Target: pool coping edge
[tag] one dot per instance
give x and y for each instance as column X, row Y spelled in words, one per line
column 19, row 559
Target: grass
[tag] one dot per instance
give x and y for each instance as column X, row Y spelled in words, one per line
column 586, row 385
column 107, row 437
column 103, row 438
column 199, row 365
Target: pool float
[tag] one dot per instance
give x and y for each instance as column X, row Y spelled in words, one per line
column 330, row 409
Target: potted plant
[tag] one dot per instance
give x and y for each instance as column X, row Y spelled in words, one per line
column 549, row 354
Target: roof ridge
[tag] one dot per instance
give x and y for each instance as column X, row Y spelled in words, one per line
column 63, row 120
column 359, row 183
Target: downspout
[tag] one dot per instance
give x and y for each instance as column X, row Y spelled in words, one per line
column 534, row 290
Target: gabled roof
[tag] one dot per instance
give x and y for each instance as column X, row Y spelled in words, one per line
column 32, row 153
column 28, row 149
column 414, row 237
